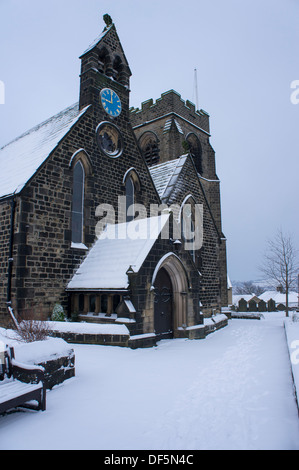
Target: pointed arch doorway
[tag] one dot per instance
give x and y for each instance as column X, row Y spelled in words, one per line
column 171, row 288
column 163, row 321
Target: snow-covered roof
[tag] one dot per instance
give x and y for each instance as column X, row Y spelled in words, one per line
column 238, row 297
column 119, row 249
column 165, row 175
column 21, row 158
column 278, row 297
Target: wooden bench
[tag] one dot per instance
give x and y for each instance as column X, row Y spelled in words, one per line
column 14, row 392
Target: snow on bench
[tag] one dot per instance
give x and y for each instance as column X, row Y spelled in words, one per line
column 14, row 392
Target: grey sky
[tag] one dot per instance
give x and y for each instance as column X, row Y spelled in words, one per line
column 246, row 56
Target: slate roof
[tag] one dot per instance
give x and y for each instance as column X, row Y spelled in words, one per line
column 22, row 157
column 165, row 175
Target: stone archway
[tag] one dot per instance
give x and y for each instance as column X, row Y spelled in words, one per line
column 172, row 264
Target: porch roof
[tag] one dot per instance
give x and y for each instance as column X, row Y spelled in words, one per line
column 119, row 250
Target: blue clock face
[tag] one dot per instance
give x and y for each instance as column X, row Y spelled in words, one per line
column 111, row 102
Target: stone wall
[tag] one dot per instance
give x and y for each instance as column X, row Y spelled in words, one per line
column 89, row 338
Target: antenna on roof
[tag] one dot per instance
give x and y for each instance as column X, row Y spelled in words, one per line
column 195, row 89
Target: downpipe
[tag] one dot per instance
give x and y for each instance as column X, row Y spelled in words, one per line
column 10, row 263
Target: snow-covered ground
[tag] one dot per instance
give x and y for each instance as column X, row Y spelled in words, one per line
column 232, row 390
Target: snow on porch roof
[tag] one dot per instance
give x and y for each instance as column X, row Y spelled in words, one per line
column 21, row 158
column 120, row 248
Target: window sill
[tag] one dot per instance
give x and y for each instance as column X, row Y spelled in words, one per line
column 79, row 246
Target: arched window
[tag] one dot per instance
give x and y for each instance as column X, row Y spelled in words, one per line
column 188, row 226
column 78, row 203
column 195, row 150
column 148, row 143
column 130, row 198
column 131, row 182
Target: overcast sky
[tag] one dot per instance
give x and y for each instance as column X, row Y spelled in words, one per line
column 246, row 56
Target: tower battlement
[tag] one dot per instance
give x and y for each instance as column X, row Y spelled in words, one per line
column 170, row 102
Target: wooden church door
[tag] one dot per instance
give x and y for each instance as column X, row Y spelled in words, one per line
column 163, row 304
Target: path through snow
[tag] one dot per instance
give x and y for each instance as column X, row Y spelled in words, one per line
column 232, row 390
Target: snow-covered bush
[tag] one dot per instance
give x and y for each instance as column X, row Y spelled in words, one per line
column 32, row 330
column 58, row 313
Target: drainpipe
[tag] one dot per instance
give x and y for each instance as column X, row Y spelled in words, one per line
column 10, row 264
column 10, row 256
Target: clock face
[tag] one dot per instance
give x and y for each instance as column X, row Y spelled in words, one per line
column 111, row 102
column 109, row 139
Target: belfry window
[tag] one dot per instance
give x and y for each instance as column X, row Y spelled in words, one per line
column 78, row 203
column 104, row 62
column 117, row 69
column 195, row 150
column 148, row 143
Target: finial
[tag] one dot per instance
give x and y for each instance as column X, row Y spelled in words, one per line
column 108, row 20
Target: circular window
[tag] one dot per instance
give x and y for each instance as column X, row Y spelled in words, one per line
column 109, row 139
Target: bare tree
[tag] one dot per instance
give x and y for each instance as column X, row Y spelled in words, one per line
column 248, row 287
column 280, row 263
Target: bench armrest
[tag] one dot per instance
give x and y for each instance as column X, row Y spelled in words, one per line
column 20, row 367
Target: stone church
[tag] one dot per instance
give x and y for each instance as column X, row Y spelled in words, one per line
column 99, row 203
